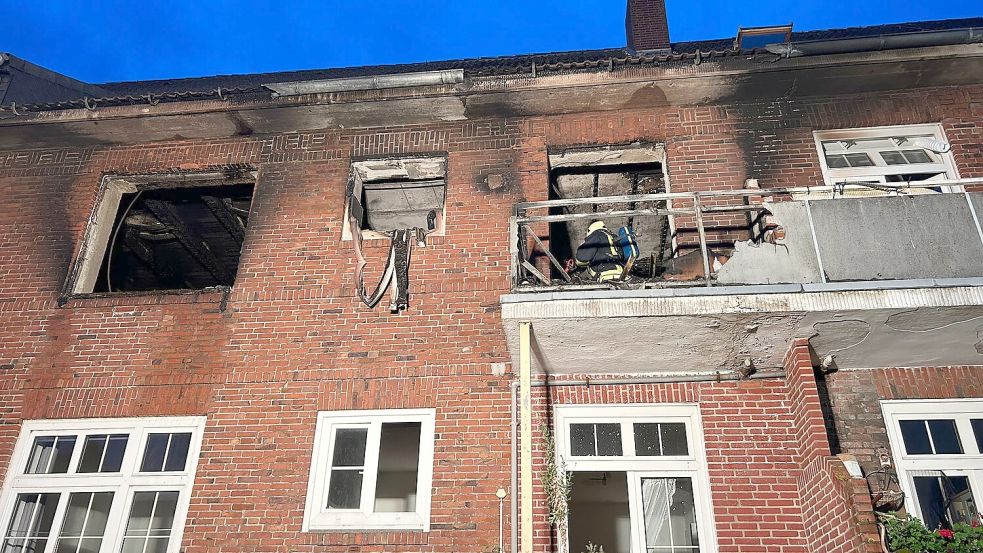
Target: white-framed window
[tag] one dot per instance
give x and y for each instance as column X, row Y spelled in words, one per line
column 889, row 156
column 937, row 447
column 639, row 478
column 100, row 485
column 371, row 470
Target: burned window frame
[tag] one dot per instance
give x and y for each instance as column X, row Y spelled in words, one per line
column 613, row 159
column 638, row 467
column 90, row 257
column 355, row 181
column 317, row 517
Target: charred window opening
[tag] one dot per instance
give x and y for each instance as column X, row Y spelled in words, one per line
column 611, row 172
column 166, row 232
column 394, row 194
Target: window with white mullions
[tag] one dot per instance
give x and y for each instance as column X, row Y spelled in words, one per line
column 880, row 156
column 371, row 470
column 150, row 522
column 166, row 452
column 103, row 453
column 84, row 525
column 646, row 490
column 937, row 447
column 124, row 489
column 30, row 523
column 50, row 455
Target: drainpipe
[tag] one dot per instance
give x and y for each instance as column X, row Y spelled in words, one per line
column 525, row 437
column 513, row 491
column 875, row 43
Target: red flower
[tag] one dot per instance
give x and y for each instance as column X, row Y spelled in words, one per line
column 947, row 534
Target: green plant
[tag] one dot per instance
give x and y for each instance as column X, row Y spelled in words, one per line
column 907, row 534
column 557, row 484
column 591, row 548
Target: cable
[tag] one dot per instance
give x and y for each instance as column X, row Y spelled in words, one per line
column 112, row 242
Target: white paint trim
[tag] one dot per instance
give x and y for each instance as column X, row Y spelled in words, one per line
column 317, row 518
column 122, row 483
column 831, row 176
column 969, row 463
column 692, row 466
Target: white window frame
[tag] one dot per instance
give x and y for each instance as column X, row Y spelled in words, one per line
column 877, row 173
column 318, row 517
column 637, row 467
column 123, row 483
column 969, row 463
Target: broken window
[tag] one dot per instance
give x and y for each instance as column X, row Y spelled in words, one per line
column 883, row 158
column 388, row 195
column 646, row 494
column 938, row 451
column 610, row 172
column 371, row 470
column 181, row 231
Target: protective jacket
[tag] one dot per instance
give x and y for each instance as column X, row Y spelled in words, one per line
column 601, row 255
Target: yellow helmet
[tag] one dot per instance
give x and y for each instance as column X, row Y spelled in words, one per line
column 596, row 225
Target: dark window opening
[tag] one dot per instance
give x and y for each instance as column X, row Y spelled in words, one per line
column 186, row 237
column 388, row 195
column 652, row 232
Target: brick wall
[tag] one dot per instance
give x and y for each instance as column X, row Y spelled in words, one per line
column 291, row 338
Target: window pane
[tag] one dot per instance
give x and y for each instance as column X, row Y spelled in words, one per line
column 582, row 440
column 399, row 460
column 893, row 158
column 647, row 439
column 945, row 500
column 30, row 524
column 177, row 453
column 349, row 447
column 166, row 452
column 150, row 521
column 50, row 455
column 608, row 439
column 915, row 437
column 153, row 456
column 836, row 161
column 92, row 452
column 944, row 436
column 112, row 461
column 859, row 160
column 669, row 510
column 978, row 432
column 85, row 522
column 674, row 439
column 917, row 156
column 345, row 489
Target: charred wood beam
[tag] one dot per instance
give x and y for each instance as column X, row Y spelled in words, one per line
column 224, row 211
column 136, row 242
column 197, row 248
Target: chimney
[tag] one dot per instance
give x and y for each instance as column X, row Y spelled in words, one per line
column 646, row 26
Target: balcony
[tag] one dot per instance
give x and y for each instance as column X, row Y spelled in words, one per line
column 872, row 276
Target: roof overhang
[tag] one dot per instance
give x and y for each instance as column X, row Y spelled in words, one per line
column 689, row 331
column 731, row 79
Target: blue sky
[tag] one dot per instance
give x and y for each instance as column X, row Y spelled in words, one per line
column 114, row 40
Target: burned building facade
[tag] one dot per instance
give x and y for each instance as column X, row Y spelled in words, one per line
column 190, row 361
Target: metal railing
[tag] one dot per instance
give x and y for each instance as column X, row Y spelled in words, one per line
column 696, row 205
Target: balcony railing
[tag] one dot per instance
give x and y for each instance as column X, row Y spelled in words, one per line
column 766, row 236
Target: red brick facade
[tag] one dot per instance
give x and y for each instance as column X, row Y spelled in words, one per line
column 291, row 338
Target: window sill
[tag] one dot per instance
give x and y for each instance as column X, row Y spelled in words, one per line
column 408, row 522
column 213, row 295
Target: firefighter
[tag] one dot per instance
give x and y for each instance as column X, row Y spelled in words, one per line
column 600, row 254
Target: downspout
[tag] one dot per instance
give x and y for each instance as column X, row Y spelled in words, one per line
column 525, row 437
column 513, row 495
column 876, row 43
